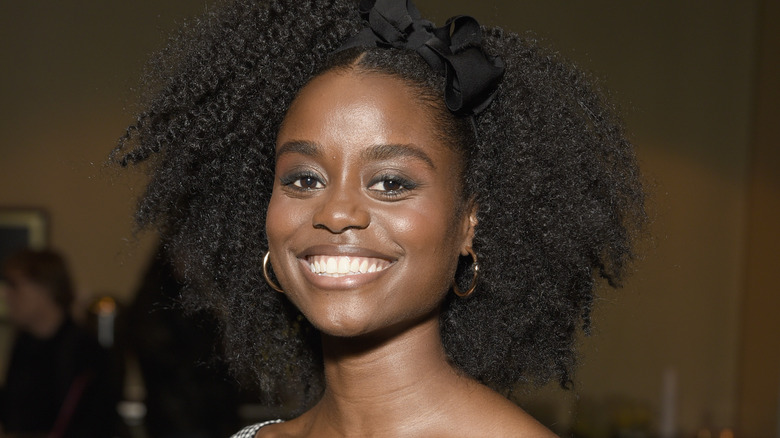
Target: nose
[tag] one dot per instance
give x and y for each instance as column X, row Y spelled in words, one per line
column 341, row 209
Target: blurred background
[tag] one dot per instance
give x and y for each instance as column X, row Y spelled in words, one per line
column 689, row 347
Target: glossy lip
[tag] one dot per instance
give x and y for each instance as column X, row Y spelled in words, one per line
column 343, row 250
column 347, row 281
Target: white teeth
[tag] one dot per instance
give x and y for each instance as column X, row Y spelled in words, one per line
column 334, row 266
column 343, row 265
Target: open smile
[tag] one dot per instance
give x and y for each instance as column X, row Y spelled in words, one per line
column 342, row 266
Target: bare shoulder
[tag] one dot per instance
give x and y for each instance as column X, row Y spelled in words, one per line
column 294, row 428
column 276, row 430
column 488, row 413
column 519, row 424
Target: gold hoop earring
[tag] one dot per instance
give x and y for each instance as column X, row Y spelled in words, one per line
column 268, row 280
column 473, row 284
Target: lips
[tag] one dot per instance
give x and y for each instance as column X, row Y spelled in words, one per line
column 340, row 266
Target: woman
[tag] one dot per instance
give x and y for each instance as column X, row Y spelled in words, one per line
column 428, row 207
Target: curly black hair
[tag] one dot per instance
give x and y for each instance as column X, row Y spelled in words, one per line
column 556, row 181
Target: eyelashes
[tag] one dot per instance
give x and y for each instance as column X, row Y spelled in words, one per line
column 303, row 181
column 391, row 185
column 388, row 186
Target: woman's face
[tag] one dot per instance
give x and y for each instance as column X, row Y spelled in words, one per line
column 366, row 221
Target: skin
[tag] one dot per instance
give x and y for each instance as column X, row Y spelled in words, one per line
column 360, row 173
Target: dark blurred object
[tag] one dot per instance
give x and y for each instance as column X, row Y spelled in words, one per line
column 59, row 379
column 102, row 318
column 188, row 391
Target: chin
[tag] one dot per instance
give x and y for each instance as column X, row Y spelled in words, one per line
column 370, row 329
column 342, row 326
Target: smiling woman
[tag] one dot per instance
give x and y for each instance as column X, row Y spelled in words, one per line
column 375, row 186
column 437, row 204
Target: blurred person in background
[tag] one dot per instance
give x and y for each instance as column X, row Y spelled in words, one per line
column 58, row 382
column 189, row 393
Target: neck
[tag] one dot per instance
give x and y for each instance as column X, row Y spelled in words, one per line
column 395, row 380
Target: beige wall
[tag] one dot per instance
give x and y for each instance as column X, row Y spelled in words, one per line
column 683, row 71
column 65, row 85
column 760, row 353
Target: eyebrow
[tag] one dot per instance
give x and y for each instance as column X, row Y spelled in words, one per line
column 374, row 153
column 302, row 147
column 387, row 151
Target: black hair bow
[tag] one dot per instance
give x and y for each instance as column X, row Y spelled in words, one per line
column 453, row 50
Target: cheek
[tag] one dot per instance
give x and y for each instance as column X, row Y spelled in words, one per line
column 283, row 217
column 429, row 218
column 282, row 221
column 428, row 230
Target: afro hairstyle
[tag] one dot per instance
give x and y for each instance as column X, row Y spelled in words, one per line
column 556, row 181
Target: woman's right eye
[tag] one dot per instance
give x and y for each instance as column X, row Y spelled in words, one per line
column 302, row 182
column 308, row 182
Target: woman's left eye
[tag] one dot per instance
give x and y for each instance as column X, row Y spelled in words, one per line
column 391, row 186
column 387, row 186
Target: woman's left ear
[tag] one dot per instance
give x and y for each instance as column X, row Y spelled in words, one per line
column 469, row 225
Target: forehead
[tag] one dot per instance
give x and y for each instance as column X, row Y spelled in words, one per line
column 358, row 107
